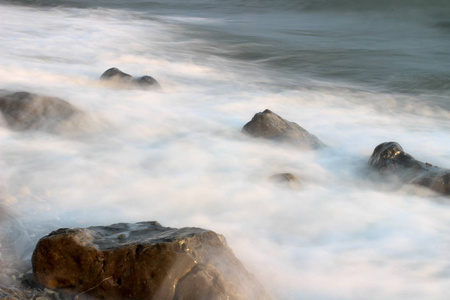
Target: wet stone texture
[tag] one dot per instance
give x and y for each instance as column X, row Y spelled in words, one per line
column 389, row 158
column 269, row 125
column 117, row 78
column 142, row 261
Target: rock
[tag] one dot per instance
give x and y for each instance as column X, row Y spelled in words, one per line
column 289, row 179
column 29, row 282
column 118, row 78
column 116, row 74
column 269, row 125
column 285, row 177
column 25, row 111
column 147, row 81
column 389, row 158
column 150, row 262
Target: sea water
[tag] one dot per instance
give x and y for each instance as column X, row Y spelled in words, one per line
column 354, row 73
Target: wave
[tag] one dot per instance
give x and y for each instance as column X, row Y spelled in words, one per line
column 316, row 5
column 374, row 5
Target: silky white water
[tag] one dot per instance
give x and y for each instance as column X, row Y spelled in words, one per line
column 177, row 156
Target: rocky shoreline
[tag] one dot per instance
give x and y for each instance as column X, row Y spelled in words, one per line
column 146, row 260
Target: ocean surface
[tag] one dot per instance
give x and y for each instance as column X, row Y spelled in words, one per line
column 354, row 73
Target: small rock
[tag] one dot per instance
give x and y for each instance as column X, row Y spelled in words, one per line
column 51, row 292
column 271, row 126
column 291, row 180
column 147, row 81
column 120, row 79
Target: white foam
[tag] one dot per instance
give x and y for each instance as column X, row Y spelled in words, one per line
column 177, row 156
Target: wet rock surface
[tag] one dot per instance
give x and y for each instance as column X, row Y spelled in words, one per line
column 142, row 261
column 26, row 111
column 389, row 158
column 269, row 125
column 116, row 77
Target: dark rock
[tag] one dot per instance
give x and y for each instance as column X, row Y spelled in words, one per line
column 25, row 111
column 389, row 158
column 29, row 282
column 121, row 79
column 147, row 81
column 149, row 261
column 116, row 74
column 269, row 125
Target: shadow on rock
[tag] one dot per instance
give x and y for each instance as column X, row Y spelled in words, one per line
column 271, row 126
column 142, row 261
column 389, row 158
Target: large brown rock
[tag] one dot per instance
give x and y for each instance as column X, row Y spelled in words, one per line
column 117, row 78
column 389, row 158
column 142, row 261
column 26, row 111
column 269, row 125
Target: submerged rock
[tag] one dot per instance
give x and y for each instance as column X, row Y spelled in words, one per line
column 26, row 111
column 142, row 261
column 288, row 179
column 121, row 79
column 389, row 158
column 269, row 125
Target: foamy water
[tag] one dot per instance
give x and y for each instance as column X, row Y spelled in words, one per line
column 178, row 156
